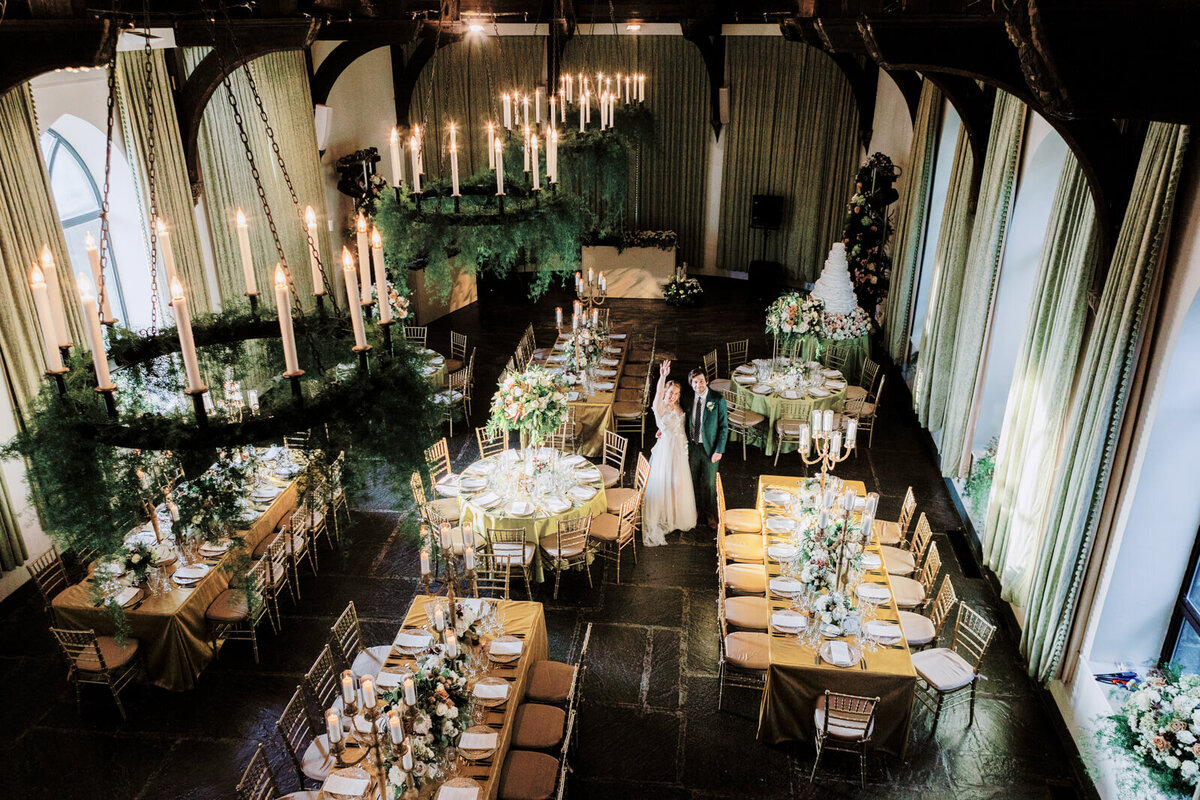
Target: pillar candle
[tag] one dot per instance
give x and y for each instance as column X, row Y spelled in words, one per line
column 183, row 321
column 318, row 280
column 41, row 300
column 381, row 289
column 243, row 239
column 410, row 691
column 397, row 164
column 851, row 431
column 451, row 644
column 364, row 254
column 827, row 422
column 578, row 282
column 872, row 502
column 537, row 106
column 499, row 167
column 58, row 315
column 352, row 301
column 491, row 134
column 283, row 305
column 333, row 725
column 366, row 687
column 591, row 276
column 534, row 162
column 395, row 730
column 425, row 570
column 804, row 437
column 507, row 111
column 603, row 283
column 406, row 758
column 416, row 161
column 91, row 321
column 93, row 253
column 558, row 316
column 348, row 687
column 469, row 554
column 816, row 421
column 835, row 442
column 439, row 618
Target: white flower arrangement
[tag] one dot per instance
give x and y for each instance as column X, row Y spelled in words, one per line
column 794, row 315
column 840, row 327
column 398, row 302
column 533, row 401
column 583, row 348
column 683, row 291
column 833, row 608
column 1160, row 724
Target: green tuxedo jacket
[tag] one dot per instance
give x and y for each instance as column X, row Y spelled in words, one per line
column 714, row 423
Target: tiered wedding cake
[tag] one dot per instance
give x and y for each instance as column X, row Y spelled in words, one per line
column 834, row 286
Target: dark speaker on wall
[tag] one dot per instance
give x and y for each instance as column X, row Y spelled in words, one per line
column 766, row 211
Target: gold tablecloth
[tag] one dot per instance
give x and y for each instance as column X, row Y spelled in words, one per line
column 525, row 620
column 171, row 627
column 594, row 413
column 438, row 376
column 797, row 676
column 540, row 524
column 771, row 405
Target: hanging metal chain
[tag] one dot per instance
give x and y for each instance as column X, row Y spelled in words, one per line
column 151, row 181
column 105, row 232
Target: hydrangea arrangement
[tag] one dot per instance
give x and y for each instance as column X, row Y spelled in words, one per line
column 794, row 315
column 683, row 291
column 1160, row 725
column 533, row 402
column 398, row 302
column 833, row 609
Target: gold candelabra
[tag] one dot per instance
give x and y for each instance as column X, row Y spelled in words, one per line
column 821, row 442
column 591, row 292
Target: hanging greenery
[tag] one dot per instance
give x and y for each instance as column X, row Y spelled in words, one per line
column 544, row 228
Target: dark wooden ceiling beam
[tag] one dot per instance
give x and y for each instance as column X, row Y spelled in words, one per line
column 909, row 84
column 338, row 60
column 29, row 48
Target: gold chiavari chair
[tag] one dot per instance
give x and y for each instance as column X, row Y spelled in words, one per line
column 844, row 722
column 568, row 547
column 458, row 352
column 316, row 502
column 718, row 385
column 454, row 398
column 736, row 520
column 737, row 353
column 492, row 576
column 321, row 684
column 433, row 512
column 437, row 460
column 49, row 574
column 630, row 416
column 508, row 545
column 612, row 467
column 98, row 660
column 419, row 334
column 337, row 492
column 259, row 782
column 236, row 613
column 618, row 497
column 300, row 542
column 946, row 673
column 471, row 381
column 903, row 559
column 615, row 532
column 912, row 593
column 888, row 532
column 557, row 682
column 310, row 752
column 743, row 421
column 792, row 414
column 534, row 775
column 865, row 411
column 279, row 574
column 866, row 381
column 491, row 444
column 347, row 640
column 835, row 356
column 743, row 656
column 921, row 631
column 745, row 612
column 566, row 436
column 739, row 548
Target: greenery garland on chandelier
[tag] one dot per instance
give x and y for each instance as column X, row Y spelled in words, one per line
column 545, row 227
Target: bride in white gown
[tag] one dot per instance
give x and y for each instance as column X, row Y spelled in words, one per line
column 669, row 504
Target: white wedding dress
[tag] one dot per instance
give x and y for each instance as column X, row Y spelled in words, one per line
column 669, row 504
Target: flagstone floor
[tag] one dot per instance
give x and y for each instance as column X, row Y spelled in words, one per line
column 649, row 723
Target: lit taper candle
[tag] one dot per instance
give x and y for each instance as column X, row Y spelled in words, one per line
column 318, row 280
column 243, row 238
column 41, row 301
column 187, row 344
column 397, row 164
column 58, row 314
column 385, row 308
column 364, row 254
column 93, row 253
column 499, row 167
column 352, row 301
column 91, row 321
column 287, row 334
column 164, row 247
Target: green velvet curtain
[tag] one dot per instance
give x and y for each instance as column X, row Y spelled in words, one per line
column 936, row 350
column 173, row 191
column 996, row 191
column 282, row 80
column 1093, row 423
column 912, row 218
column 792, row 132
column 1036, row 409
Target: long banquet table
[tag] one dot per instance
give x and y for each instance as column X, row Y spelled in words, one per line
column 170, row 627
column 797, row 676
column 594, row 412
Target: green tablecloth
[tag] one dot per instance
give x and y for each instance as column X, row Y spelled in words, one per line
column 810, row 348
column 770, row 405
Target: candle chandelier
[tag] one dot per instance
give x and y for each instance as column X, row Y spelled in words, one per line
column 241, row 419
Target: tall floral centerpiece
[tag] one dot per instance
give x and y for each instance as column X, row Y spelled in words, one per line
column 583, row 348
column 1160, row 726
column 210, row 504
column 533, row 402
column 792, row 316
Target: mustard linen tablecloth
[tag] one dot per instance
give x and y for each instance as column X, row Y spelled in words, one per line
column 594, row 413
column 171, row 628
column 797, row 676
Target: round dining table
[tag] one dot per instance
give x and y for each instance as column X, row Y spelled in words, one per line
column 531, row 490
column 827, row 390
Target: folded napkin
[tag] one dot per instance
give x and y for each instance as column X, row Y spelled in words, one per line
column 610, row 362
column 448, row 480
column 884, row 630
column 215, row 549
column 556, row 505
column 506, row 647
column 749, row 368
column 343, row 784
column 438, row 360
column 487, row 499
column 412, row 639
column 781, row 524
column 519, row 508
column 785, row 584
column 477, row 741
column 777, row 496
column 817, row 391
column 604, row 387
column 574, row 460
column 745, row 379
column 557, row 358
column 479, row 468
column 613, row 350
column 790, row 394
column 192, row 573
column 446, row 489
column 788, row 620
column 831, row 373
column 472, row 484
column 617, row 335
column 762, row 388
column 872, row 561
column 491, row 691
column 389, row 680
column 839, row 653
column 835, row 384
column 606, row 373
column 874, row 592
column 458, row 792
column 573, row 396
column 127, row 595
column 588, row 473
column 582, row 492
column 429, row 370
column 782, row 552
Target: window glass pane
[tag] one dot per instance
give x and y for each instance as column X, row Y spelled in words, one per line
column 1193, row 592
column 76, row 236
column 1187, row 648
column 74, row 193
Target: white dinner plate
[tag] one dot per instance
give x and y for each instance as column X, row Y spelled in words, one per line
column 518, row 508
column 782, row 551
column 604, row 387
column 746, row 369
column 788, row 621
column 886, row 632
column 873, row 593
column 574, row 460
column 817, row 391
column 781, row 524
column 745, row 380
column 556, row 505
column 872, row 561
column 610, row 362
column 777, row 497
column 472, row 484
column 762, row 388
column 790, row 394
column 581, row 493
column 613, row 350
column 786, row 586
column 486, row 500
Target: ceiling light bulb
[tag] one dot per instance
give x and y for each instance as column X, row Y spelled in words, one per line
column 633, row 27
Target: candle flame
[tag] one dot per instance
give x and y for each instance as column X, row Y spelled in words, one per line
column 280, row 277
column 395, row 137
column 88, row 241
column 37, row 278
column 452, row 127
column 86, row 290
column 554, row 134
column 310, row 216
column 347, row 259
column 362, row 223
column 176, row 289
column 47, row 257
column 241, row 218
column 160, row 226
column 376, row 239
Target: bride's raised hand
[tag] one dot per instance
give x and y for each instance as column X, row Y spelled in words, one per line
column 664, row 369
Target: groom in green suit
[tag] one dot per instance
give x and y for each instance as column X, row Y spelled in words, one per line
column 707, row 433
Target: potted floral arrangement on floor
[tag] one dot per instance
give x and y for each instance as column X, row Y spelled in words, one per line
column 683, row 291
column 1159, row 727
